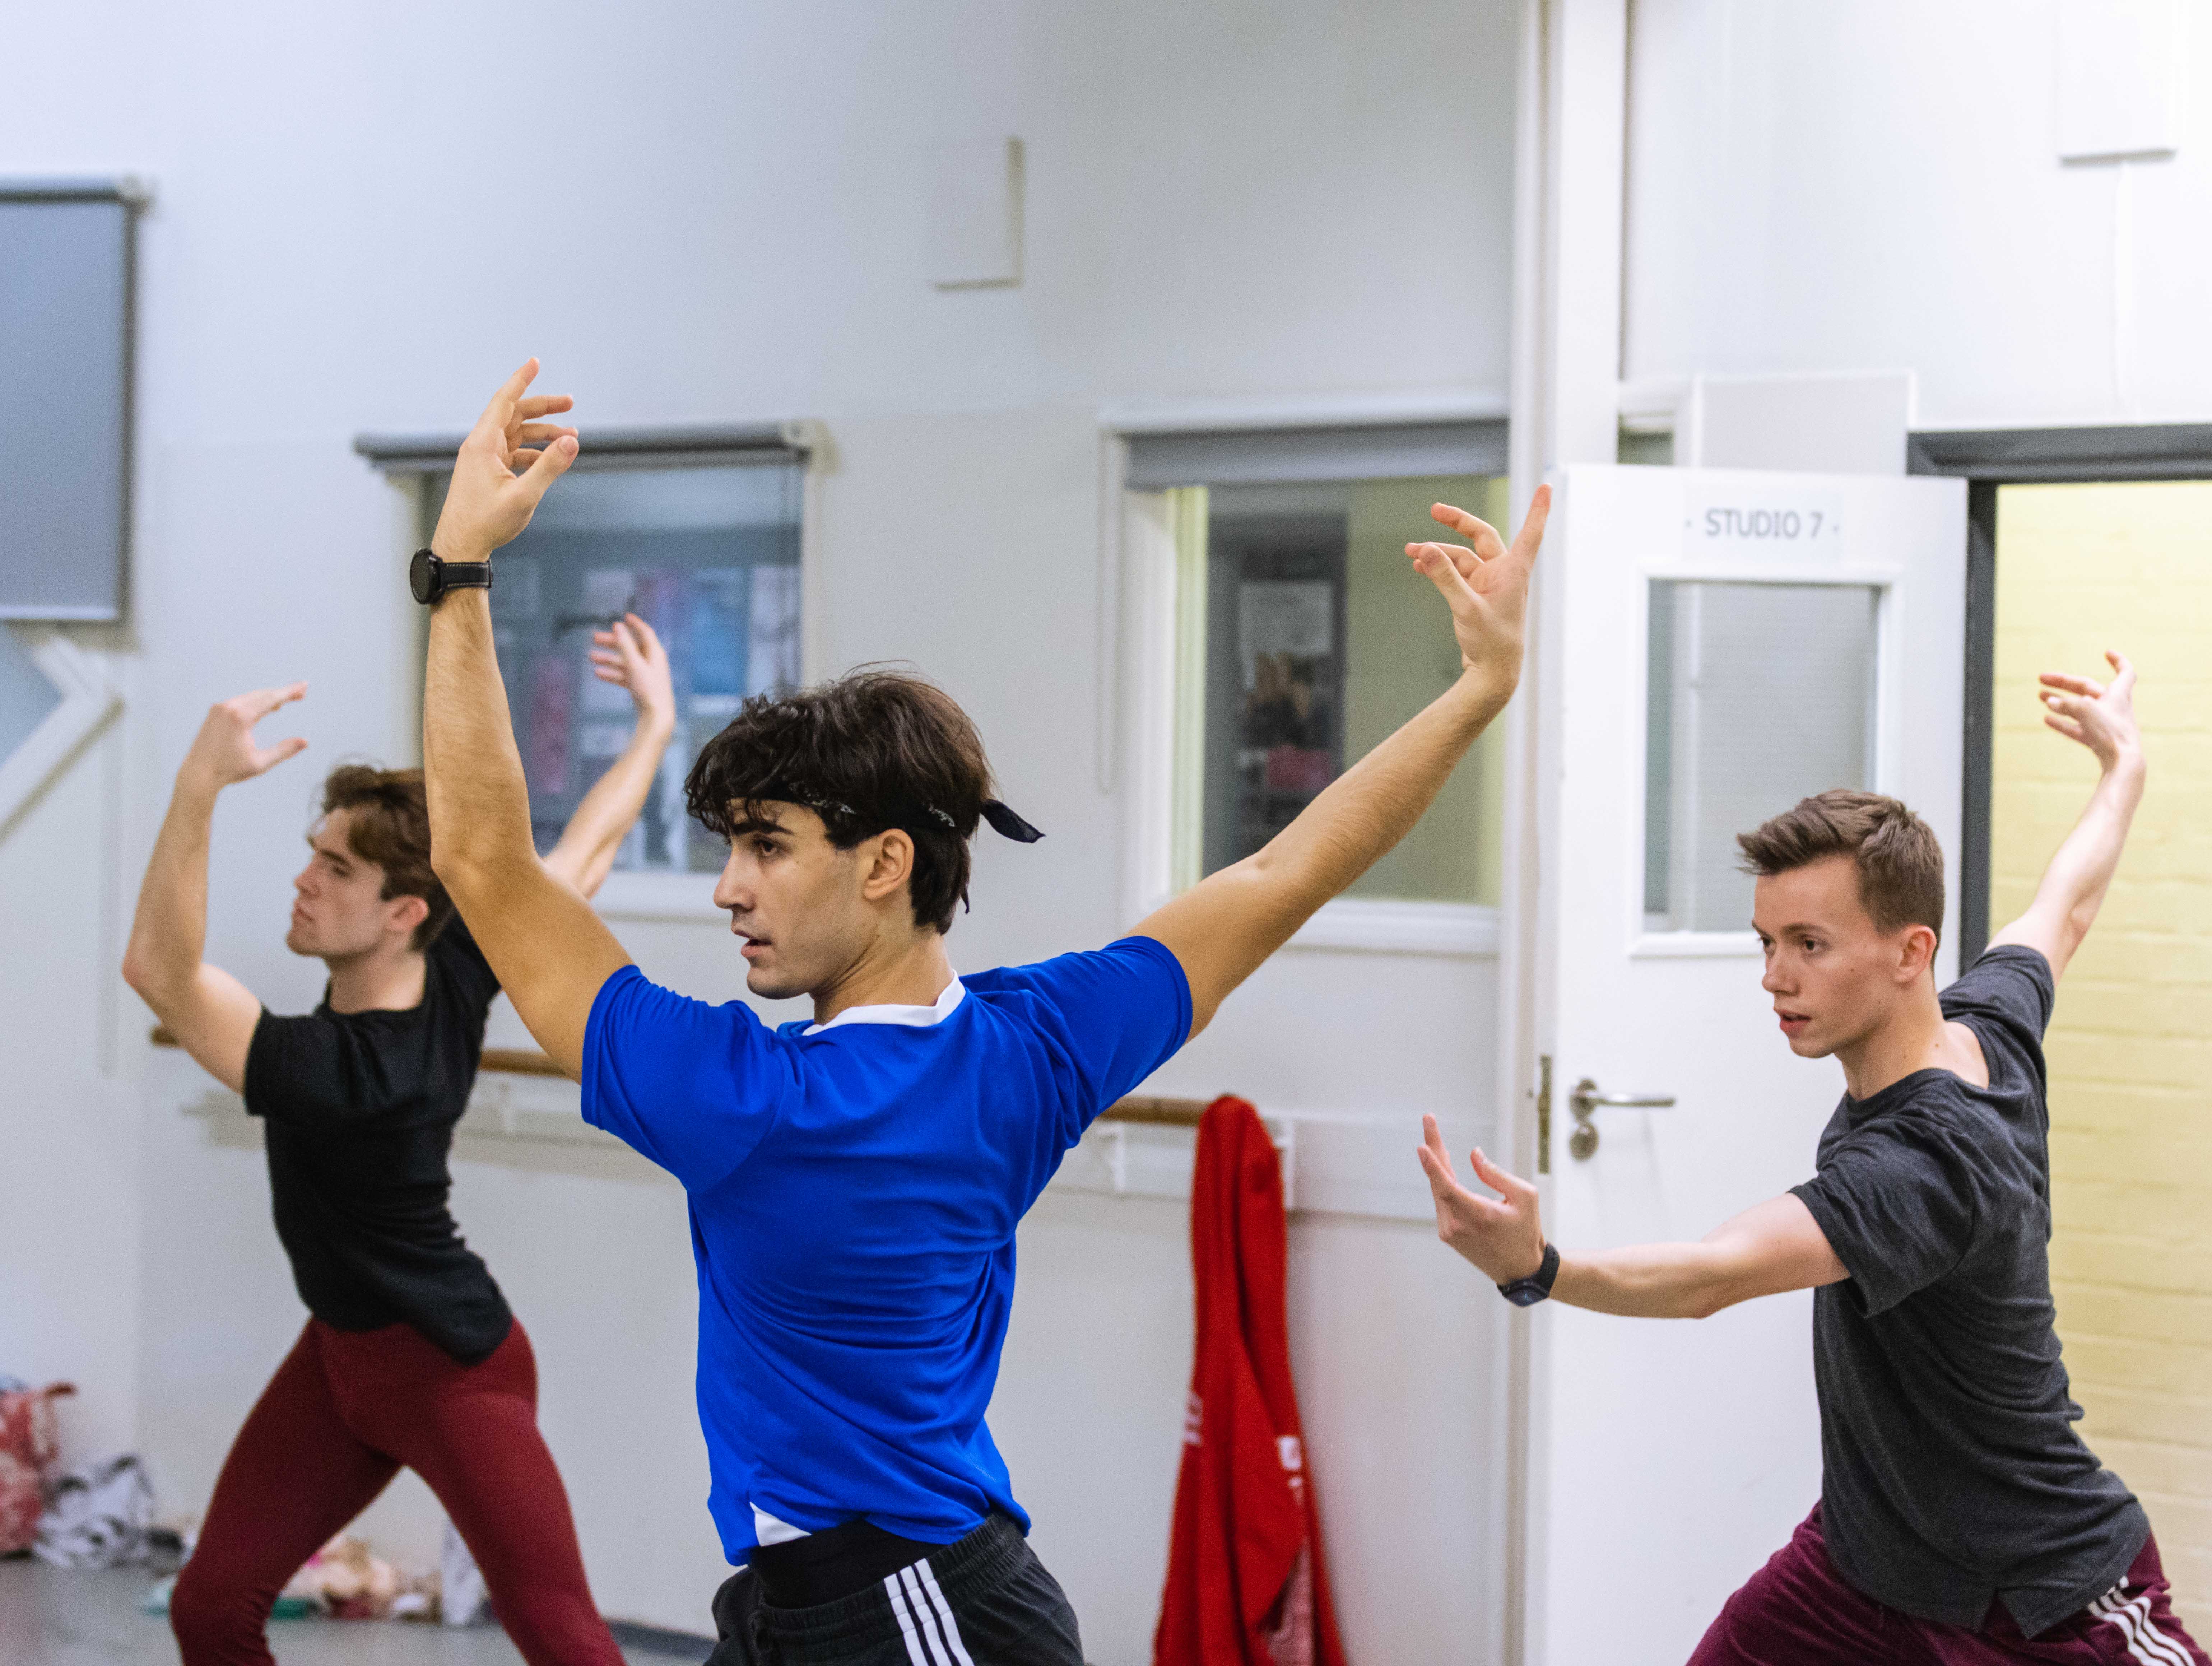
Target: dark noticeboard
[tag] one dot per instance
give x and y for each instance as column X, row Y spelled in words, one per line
column 65, row 271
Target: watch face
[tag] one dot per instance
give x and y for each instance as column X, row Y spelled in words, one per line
column 422, row 576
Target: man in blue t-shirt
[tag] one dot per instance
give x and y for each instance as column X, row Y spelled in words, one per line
column 855, row 1182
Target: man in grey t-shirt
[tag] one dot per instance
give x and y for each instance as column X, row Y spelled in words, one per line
column 1961, row 1518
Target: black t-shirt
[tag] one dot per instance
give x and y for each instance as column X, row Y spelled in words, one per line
column 1951, row 1473
column 360, row 1109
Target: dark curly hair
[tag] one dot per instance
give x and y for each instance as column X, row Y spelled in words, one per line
column 390, row 827
column 873, row 750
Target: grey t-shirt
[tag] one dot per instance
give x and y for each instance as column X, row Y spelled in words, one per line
column 1951, row 1473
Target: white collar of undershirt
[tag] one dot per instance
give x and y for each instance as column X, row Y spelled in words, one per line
column 914, row 1017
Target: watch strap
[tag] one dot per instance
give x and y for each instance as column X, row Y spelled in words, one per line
column 1537, row 1286
column 429, row 576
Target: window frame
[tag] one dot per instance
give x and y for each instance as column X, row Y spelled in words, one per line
column 1645, row 943
column 1150, row 692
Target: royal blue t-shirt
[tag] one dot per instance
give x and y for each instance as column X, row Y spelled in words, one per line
column 854, row 1190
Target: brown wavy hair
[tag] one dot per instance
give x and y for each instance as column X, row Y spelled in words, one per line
column 873, row 750
column 1899, row 862
column 390, row 827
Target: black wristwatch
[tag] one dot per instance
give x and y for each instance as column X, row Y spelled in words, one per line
column 1527, row 1292
column 429, row 577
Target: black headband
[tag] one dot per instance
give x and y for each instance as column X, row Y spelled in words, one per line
column 1003, row 820
column 1007, row 826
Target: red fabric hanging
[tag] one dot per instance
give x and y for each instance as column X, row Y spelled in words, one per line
column 1247, row 1584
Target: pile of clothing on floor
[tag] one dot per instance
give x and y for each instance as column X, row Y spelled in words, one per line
column 99, row 1515
column 345, row 1580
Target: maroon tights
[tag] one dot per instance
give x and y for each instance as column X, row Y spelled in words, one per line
column 345, row 1411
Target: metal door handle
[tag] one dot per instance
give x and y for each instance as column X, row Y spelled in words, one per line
column 1585, row 1099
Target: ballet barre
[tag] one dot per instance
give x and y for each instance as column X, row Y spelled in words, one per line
column 1148, row 1109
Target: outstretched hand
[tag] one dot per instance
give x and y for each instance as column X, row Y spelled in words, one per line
column 628, row 655
column 487, row 503
column 225, row 750
column 1503, row 1235
column 1487, row 585
column 2100, row 716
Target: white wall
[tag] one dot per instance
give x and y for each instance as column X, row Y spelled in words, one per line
column 1876, row 187
column 693, row 211
column 69, row 1160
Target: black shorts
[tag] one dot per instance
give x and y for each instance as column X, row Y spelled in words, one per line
column 985, row 1600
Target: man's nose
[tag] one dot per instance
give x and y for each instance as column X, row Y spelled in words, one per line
column 728, row 894
column 1774, row 982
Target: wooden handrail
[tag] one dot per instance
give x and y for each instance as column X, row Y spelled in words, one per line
column 1138, row 1107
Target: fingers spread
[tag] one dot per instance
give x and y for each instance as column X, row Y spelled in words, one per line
column 1436, row 560
column 1530, row 538
column 503, row 403
column 1507, row 1185
column 549, row 466
column 1483, row 536
column 290, row 748
column 544, row 404
column 258, row 704
column 2124, row 678
column 2059, row 679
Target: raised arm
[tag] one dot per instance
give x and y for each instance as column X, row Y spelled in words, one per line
column 211, row 1013
column 1224, row 926
column 630, row 655
column 1770, row 1248
column 550, row 952
column 2102, row 717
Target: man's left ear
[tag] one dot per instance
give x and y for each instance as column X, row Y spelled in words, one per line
column 890, row 866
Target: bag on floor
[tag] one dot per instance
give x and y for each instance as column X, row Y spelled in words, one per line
column 28, row 1441
column 97, row 1516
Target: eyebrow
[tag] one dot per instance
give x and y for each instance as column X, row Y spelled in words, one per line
column 753, row 824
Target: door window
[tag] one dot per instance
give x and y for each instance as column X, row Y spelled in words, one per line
column 1756, row 695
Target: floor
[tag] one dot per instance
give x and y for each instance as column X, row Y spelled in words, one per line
column 53, row 1617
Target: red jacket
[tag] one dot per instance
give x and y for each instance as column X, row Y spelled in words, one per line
column 1247, row 1584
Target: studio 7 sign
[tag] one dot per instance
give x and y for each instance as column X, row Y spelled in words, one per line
column 1738, row 521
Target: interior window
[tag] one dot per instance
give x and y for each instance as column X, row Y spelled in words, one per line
column 709, row 556
column 1307, row 638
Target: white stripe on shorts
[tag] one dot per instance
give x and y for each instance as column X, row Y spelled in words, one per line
column 2131, row 1614
column 944, row 1608
column 935, row 1626
column 918, row 1651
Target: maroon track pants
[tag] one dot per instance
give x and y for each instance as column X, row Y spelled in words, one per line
column 1798, row 1611
column 344, row 1413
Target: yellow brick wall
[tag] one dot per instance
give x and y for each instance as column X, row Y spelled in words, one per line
column 2081, row 569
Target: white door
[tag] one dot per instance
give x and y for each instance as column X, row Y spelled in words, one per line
column 1714, row 646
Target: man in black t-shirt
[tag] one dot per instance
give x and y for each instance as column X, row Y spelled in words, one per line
column 411, row 1356
column 1961, row 1518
